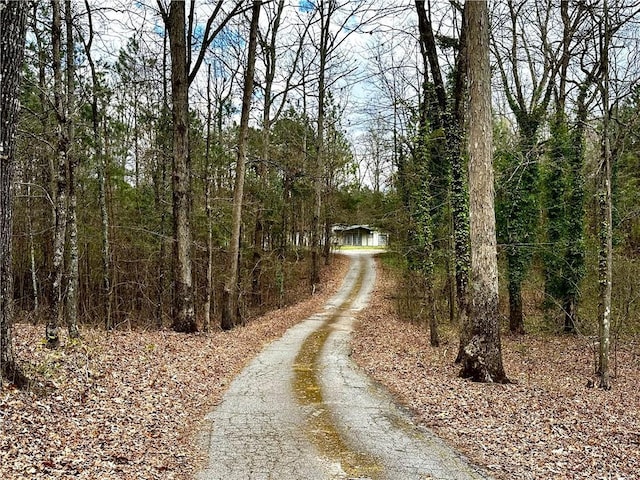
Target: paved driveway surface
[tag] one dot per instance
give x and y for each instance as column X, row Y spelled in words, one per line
column 303, row 410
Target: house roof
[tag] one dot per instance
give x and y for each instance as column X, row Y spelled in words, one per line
column 345, row 228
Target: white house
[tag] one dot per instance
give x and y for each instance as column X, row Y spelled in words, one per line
column 359, row 235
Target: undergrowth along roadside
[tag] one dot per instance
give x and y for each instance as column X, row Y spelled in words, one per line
column 548, row 424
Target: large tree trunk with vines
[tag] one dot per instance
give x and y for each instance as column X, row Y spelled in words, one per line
column 452, row 122
column 482, row 355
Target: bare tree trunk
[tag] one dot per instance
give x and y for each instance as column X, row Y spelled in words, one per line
column 105, row 247
column 325, row 20
column 160, row 193
column 230, row 302
column 71, row 298
column 57, row 311
column 270, row 61
column 482, row 355
column 207, row 201
column 430, row 304
column 516, row 318
column 160, row 205
column 184, row 312
column 48, row 172
column 12, row 36
column 32, row 256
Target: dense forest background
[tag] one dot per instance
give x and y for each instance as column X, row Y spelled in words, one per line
column 356, row 115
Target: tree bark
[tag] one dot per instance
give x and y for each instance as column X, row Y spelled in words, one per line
column 184, row 312
column 206, row 325
column 482, row 355
column 230, row 313
column 56, row 314
column 32, row 255
column 71, row 297
column 12, row 38
column 325, row 17
column 452, row 122
column 516, row 319
column 605, row 208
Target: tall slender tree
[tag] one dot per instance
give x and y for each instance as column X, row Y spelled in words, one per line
column 72, row 291
column 101, row 161
column 605, row 204
column 56, row 314
column 208, row 191
column 184, row 317
column 230, row 307
column 12, row 39
column 184, row 68
column 326, row 9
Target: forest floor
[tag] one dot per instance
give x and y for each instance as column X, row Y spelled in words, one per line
column 547, row 424
column 130, row 404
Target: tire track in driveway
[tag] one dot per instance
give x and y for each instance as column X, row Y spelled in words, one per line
column 258, row 431
column 320, row 425
column 370, row 419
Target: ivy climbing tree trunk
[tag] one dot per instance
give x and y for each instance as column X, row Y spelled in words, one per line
column 422, row 260
column 12, row 37
column 520, row 208
column 605, row 208
column 451, row 117
column 528, row 86
column 421, row 201
column 564, row 180
column 482, row 354
column 56, row 314
column 230, row 306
